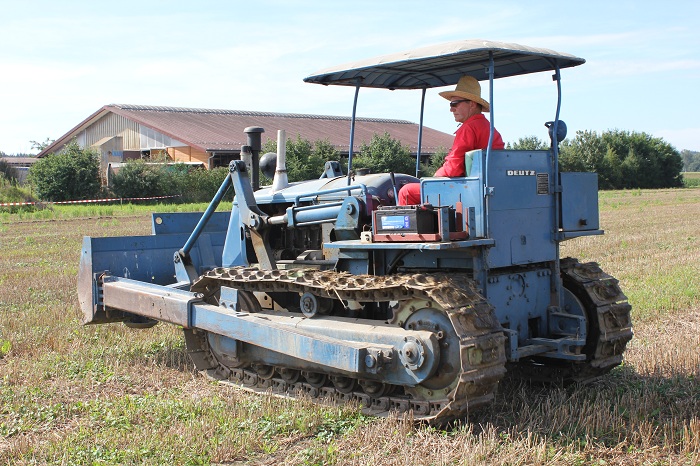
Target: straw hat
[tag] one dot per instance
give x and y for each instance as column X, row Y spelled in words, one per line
column 467, row 88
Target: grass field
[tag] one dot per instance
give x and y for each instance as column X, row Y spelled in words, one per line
column 110, row 395
column 691, row 179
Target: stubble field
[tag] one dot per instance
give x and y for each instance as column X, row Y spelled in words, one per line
column 110, row 395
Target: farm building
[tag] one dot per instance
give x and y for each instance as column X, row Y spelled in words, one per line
column 214, row 137
column 21, row 165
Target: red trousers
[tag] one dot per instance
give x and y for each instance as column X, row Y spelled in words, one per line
column 410, row 194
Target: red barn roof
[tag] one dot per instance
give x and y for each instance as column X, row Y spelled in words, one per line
column 217, row 130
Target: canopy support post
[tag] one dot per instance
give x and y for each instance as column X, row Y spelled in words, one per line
column 352, row 131
column 488, row 191
column 420, row 133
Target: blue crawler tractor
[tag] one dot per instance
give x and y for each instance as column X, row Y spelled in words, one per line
column 327, row 289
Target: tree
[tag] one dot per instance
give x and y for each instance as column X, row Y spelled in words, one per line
column 651, row 162
column 305, row 160
column 584, row 153
column 434, row 162
column 528, row 143
column 691, row 160
column 385, row 154
column 623, row 159
column 618, row 170
column 324, row 150
column 72, row 174
column 41, row 145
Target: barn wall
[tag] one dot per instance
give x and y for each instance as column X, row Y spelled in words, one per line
column 113, row 125
column 188, row 154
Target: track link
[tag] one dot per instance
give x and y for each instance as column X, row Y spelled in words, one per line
column 610, row 322
column 609, row 328
column 481, row 354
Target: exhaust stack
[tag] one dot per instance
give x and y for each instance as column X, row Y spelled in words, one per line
column 280, row 181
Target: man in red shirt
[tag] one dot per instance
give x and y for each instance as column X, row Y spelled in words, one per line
column 466, row 104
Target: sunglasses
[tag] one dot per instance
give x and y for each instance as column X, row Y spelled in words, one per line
column 454, row 103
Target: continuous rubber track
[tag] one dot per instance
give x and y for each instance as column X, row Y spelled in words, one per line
column 474, row 326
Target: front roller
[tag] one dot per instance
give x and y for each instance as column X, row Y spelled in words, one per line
column 449, row 359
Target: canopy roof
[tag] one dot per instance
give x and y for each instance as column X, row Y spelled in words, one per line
column 443, row 65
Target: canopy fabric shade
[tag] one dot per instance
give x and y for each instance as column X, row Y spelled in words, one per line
column 443, row 65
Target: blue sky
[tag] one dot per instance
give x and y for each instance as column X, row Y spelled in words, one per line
column 63, row 60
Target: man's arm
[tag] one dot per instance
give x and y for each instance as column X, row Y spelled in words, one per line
column 454, row 162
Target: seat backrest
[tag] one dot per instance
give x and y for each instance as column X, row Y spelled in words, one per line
column 469, row 160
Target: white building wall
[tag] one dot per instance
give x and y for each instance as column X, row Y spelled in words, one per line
column 150, row 139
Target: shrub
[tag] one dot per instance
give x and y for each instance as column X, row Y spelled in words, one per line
column 691, row 179
column 141, row 179
column 8, row 171
column 201, row 185
column 72, row 174
column 138, row 179
column 10, row 191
